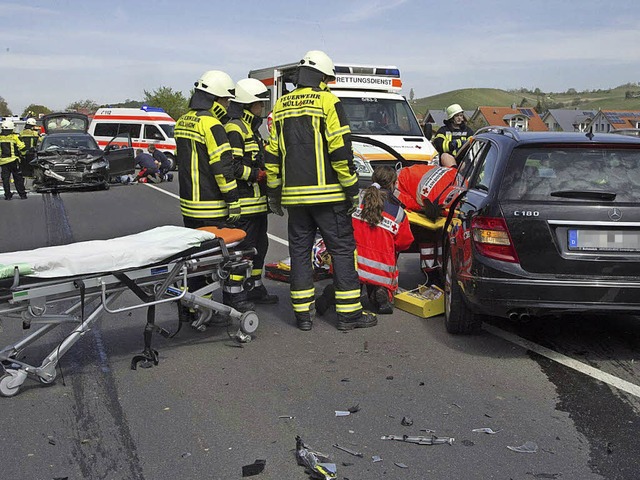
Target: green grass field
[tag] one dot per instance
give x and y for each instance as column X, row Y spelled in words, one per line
column 471, row 98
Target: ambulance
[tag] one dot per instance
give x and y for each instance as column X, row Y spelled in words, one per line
column 375, row 109
column 145, row 126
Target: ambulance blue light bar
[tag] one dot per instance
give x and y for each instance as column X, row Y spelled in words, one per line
column 147, row 108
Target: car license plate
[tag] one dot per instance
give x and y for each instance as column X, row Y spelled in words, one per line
column 604, row 240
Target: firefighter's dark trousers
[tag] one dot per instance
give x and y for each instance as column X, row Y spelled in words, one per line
column 335, row 227
column 9, row 169
column 255, row 227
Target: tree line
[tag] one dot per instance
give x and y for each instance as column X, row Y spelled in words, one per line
column 172, row 102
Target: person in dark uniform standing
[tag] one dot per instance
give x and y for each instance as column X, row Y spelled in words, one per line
column 208, row 189
column 11, row 151
column 310, row 170
column 246, row 143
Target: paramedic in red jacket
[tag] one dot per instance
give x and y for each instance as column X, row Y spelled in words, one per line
column 381, row 230
column 427, row 189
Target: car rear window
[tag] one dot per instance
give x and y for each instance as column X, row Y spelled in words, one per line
column 550, row 172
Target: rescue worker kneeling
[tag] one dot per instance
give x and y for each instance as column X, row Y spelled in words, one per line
column 310, row 170
column 381, row 229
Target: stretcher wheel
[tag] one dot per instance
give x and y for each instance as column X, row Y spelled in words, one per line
column 249, row 322
column 7, row 390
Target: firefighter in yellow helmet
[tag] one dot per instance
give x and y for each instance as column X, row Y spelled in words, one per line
column 310, row 170
column 246, row 111
column 208, row 189
column 11, row 151
column 450, row 137
column 30, row 135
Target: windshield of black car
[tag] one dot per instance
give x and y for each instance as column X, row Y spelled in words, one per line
column 68, row 142
column 572, row 173
column 380, row 116
column 168, row 128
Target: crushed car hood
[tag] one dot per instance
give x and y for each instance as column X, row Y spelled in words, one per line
column 70, row 156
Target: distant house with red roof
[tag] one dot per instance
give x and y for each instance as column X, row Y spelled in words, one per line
column 521, row 118
column 608, row 120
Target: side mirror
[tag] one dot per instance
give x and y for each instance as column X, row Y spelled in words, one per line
column 427, row 128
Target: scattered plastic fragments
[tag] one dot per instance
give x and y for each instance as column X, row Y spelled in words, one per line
column 348, row 450
column 420, row 440
column 349, row 411
column 51, row 440
column 254, row 468
column 315, row 463
column 376, row 458
column 186, row 454
column 486, row 430
column 288, row 417
column 406, row 421
column 528, row 447
column 400, row 465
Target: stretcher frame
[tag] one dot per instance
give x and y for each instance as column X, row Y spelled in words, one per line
column 94, row 294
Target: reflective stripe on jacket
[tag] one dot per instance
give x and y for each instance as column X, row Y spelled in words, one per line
column 377, row 246
column 450, row 140
column 309, row 155
column 247, row 161
column 11, row 147
column 207, row 184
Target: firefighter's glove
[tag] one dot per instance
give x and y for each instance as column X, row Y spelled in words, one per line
column 234, row 212
column 273, row 199
column 354, row 203
column 261, row 176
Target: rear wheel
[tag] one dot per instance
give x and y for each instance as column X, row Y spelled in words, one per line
column 458, row 318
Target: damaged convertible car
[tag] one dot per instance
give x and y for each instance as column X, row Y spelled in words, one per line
column 69, row 158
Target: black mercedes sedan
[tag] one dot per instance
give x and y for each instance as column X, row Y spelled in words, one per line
column 542, row 223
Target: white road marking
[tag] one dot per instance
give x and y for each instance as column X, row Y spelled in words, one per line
column 592, row 372
column 272, row 237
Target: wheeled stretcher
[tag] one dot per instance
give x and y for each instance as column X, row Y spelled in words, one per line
column 74, row 284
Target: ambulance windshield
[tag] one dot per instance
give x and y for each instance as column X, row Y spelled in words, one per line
column 380, row 116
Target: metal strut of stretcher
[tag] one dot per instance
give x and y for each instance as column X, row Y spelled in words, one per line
column 93, row 294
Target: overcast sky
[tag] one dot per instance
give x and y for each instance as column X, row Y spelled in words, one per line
column 55, row 52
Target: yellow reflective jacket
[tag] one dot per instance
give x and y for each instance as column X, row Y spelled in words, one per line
column 30, row 137
column 309, row 155
column 248, row 159
column 11, row 148
column 207, row 185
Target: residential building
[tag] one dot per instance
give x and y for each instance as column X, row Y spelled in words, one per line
column 608, row 120
column 521, row 118
column 568, row 120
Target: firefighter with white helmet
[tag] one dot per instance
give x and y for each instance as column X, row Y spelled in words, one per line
column 247, row 147
column 450, row 137
column 208, row 189
column 30, row 135
column 310, row 170
column 11, row 151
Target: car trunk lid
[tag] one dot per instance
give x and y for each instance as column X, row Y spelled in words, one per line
column 574, row 211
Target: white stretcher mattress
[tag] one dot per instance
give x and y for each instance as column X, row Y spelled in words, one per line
column 98, row 256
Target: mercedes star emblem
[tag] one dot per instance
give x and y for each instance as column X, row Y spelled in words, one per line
column 615, row 214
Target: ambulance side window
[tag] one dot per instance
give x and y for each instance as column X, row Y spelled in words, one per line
column 133, row 129
column 106, row 130
column 151, row 132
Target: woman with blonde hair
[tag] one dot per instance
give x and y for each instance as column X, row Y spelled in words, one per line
column 381, row 230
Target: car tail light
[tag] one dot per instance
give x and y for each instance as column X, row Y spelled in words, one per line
column 491, row 238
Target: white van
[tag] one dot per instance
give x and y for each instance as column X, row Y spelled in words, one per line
column 145, row 125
